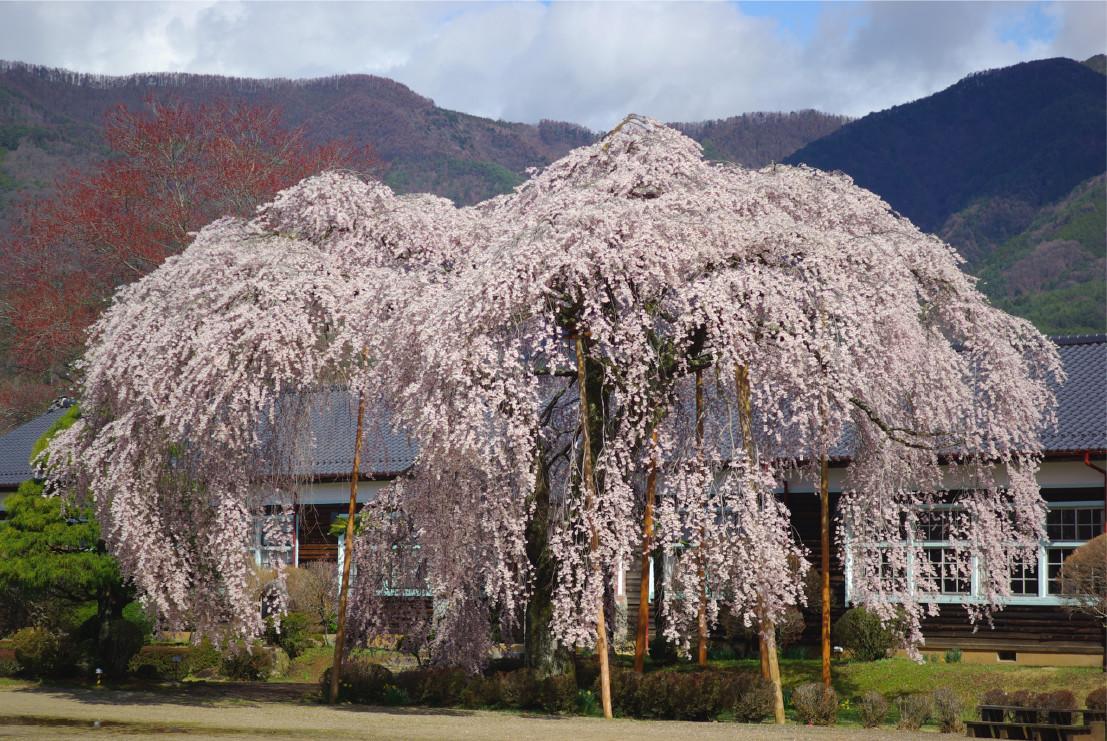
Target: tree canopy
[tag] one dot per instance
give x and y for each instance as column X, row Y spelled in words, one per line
column 560, row 336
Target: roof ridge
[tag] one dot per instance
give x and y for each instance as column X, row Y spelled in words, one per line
column 1077, row 339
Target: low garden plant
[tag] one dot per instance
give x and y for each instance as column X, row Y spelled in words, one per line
column 914, row 710
column 815, row 704
column 872, row 709
column 948, row 710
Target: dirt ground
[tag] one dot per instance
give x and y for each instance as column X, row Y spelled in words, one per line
column 58, row 713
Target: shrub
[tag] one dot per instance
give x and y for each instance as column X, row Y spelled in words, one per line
column 558, row 693
column 518, row 689
column 862, row 634
column 625, row 691
column 682, row 695
column 994, row 696
column 953, row 656
column 8, row 667
column 998, row 697
column 204, row 659
column 914, row 710
column 361, row 681
column 1097, row 699
column 873, row 709
column 1026, row 703
column 1056, row 700
column 1058, row 706
column 481, row 692
column 41, row 653
column 247, row 662
column 123, row 641
column 436, row 686
column 815, row 704
column 948, row 710
column 294, row 635
column 754, row 702
column 161, row 662
column 587, row 669
column 742, row 638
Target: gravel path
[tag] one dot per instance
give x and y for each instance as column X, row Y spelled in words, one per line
column 55, row 713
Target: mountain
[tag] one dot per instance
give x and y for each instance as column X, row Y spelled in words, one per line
column 1027, row 134
column 424, row 147
column 759, row 139
column 1053, row 272
column 1006, row 165
column 50, row 118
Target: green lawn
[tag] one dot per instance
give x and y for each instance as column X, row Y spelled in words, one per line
column 895, row 677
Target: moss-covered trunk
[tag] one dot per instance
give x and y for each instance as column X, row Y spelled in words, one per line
column 542, row 653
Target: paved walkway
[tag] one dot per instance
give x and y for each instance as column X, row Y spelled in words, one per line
column 53, row 713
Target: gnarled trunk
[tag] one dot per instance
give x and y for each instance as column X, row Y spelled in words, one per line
column 541, row 651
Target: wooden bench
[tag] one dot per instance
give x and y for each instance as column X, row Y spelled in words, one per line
column 1030, row 731
column 1031, row 724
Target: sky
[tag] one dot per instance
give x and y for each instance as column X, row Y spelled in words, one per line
column 590, row 63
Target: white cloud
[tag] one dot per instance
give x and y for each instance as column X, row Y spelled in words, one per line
column 589, row 63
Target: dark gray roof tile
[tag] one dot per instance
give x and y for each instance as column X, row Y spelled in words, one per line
column 15, row 448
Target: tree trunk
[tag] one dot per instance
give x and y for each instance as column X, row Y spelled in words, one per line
column 701, row 612
column 642, row 632
column 824, row 541
column 348, row 555
column 768, row 629
column 541, row 652
column 766, row 626
column 590, row 496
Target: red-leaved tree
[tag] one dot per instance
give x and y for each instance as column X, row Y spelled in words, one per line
column 174, row 167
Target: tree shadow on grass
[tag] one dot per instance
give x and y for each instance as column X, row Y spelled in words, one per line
column 410, row 710
column 197, row 694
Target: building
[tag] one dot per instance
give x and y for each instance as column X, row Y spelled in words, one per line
column 1033, row 629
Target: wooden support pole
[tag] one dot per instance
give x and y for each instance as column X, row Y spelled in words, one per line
column 590, row 496
column 347, row 555
column 824, row 542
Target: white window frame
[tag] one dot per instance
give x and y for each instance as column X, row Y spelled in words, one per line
column 1042, row 598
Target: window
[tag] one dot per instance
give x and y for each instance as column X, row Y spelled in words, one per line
column 1024, row 578
column 1055, row 557
column 951, row 569
column 1074, row 523
column 274, row 539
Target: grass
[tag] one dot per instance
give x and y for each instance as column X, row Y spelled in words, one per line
column 309, row 666
column 896, row 677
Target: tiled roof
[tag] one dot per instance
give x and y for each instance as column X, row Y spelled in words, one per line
column 15, row 448
column 384, row 453
column 1082, row 399
column 1082, row 423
